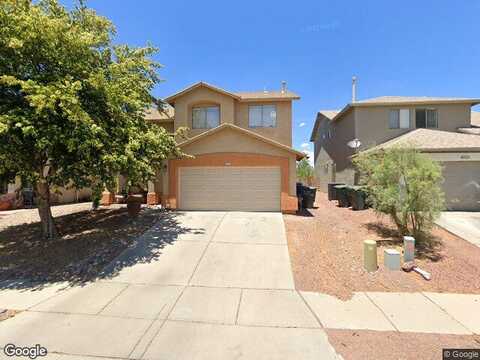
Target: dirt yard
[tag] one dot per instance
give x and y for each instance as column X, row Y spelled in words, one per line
column 326, row 250
column 88, row 241
column 386, row 345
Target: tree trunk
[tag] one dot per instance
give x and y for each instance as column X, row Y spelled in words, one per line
column 43, row 201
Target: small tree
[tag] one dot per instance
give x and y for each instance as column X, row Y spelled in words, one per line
column 72, row 103
column 305, row 171
column 404, row 184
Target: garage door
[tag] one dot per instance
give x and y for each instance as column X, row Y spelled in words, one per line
column 229, row 188
column 462, row 185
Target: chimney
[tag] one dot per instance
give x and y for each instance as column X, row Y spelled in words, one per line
column 354, row 89
column 284, row 87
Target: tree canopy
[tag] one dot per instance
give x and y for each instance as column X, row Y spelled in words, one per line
column 305, row 171
column 72, row 103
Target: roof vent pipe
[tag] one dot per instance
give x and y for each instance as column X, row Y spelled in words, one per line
column 354, row 89
column 284, row 87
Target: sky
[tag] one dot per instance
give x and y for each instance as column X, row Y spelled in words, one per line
column 409, row 48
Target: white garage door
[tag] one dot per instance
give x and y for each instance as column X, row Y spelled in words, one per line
column 462, row 185
column 229, row 188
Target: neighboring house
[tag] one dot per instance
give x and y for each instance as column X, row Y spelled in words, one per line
column 475, row 119
column 437, row 126
column 241, row 147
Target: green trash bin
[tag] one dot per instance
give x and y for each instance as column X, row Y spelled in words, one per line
column 357, row 198
column 342, row 195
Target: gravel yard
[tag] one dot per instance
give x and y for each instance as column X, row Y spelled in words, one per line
column 88, row 241
column 326, row 251
column 386, row 345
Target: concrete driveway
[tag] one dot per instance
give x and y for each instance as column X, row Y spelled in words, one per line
column 198, row 285
column 463, row 224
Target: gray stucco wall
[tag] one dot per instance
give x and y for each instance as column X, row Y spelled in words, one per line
column 373, row 128
column 332, row 162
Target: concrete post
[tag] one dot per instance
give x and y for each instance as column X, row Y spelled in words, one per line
column 370, row 255
column 152, row 195
column 408, row 248
column 391, row 259
column 108, row 198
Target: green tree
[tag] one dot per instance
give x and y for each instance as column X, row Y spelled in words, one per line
column 72, row 103
column 305, row 171
column 404, row 184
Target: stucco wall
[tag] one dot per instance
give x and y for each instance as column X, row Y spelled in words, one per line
column 202, row 96
column 373, row 128
column 230, row 141
column 332, row 162
column 282, row 133
column 234, row 112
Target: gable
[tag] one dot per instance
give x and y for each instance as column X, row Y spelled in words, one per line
column 230, row 140
column 199, row 86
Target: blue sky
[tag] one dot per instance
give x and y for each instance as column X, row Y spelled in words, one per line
column 422, row 48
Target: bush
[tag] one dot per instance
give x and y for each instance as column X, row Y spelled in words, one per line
column 404, row 184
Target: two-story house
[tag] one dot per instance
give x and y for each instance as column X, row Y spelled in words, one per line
column 241, row 143
column 436, row 126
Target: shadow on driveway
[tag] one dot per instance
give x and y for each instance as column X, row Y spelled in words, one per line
column 89, row 242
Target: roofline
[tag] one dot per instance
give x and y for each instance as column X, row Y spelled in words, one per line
column 349, row 106
column 269, row 98
column 471, row 101
column 424, row 150
column 392, row 143
column 172, row 97
column 207, row 133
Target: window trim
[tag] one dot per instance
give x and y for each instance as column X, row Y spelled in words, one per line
column 426, row 110
column 251, row 126
column 399, row 111
column 204, row 108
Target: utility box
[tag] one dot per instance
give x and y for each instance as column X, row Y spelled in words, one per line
column 408, row 248
column 370, row 255
column 391, row 259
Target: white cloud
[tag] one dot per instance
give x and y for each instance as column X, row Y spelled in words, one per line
column 310, row 156
column 305, row 145
column 302, row 124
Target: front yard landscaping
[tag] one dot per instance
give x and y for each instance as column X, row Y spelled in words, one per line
column 326, row 251
column 386, row 345
column 88, row 240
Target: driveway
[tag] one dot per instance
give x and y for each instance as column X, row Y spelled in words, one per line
column 463, row 224
column 198, row 285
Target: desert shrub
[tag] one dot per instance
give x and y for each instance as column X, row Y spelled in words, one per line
column 404, row 184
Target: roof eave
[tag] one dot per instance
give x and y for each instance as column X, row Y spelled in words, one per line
column 269, row 98
column 299, row 155
column 170, row 99
column 472, row 102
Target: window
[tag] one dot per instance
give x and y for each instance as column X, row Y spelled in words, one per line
column 426, row 118
column 205, row 117
column 399, row 119
column 262, row 116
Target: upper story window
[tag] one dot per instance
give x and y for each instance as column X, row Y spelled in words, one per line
column 426, row 118
column 399, row 119
column 205, row 117
column 262, row 116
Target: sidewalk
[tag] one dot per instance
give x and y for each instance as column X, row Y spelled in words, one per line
column 218, row 291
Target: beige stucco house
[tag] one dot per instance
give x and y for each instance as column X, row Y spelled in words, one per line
column 441, row 127
column 240, row 143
